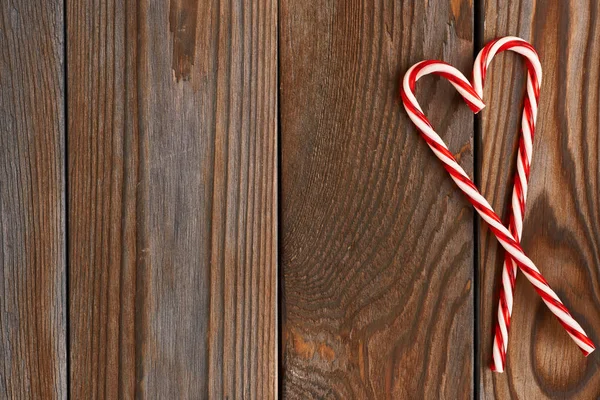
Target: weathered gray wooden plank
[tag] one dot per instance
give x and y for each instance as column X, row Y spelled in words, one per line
column 172, row 132
column 32, row 201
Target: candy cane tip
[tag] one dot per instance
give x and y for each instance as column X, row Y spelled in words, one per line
column 476, row 108
column 498, row 369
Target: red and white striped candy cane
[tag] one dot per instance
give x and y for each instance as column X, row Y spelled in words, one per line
column 519, row 195
column 462, row 180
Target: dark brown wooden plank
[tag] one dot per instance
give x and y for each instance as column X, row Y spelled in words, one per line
column 377, row 243
column 562, row 223
column 32, row 201
column 172, row 185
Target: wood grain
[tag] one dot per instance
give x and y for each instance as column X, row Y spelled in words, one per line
column 32, row 201
column 562, row 224
column 172, row 198
column 104, row 197
column 377, row 243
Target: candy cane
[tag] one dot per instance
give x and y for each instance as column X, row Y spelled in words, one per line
column 462, row 180
column 519, row 195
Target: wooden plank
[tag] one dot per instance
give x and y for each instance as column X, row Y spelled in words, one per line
column 172, row 146
column 377, row 243
column 32, row 201
column 103, row 174
column 562, row 224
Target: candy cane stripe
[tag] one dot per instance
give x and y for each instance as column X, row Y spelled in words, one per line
column 519, row 197
column 508, row 238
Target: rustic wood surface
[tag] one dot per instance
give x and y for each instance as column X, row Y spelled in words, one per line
column 376, row 243
column 562, row 224
column 172, row 145
column 33, row 314
column 143, row 184
column 104, row 198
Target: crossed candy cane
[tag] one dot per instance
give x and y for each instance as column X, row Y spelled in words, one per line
column 508, row 238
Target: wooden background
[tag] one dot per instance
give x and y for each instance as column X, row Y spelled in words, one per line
column 225, row 199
